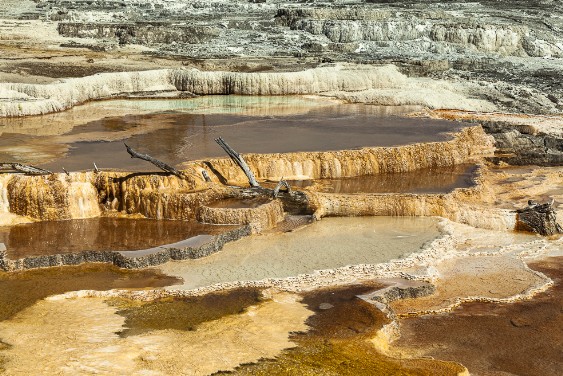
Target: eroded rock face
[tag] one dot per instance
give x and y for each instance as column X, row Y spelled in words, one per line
column 139, row 33
column 541, row 219
column 519, row 146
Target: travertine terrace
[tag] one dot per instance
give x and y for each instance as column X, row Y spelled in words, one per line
column 270, row 285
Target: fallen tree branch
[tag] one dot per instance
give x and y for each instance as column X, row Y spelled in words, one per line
column 163, row 166
column 26, row 169
column 294, row 202
column 239, row 160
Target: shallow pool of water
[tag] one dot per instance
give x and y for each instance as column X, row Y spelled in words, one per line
column 97, row 234
column 185, row 130
column 431, row 180
column 328, row 244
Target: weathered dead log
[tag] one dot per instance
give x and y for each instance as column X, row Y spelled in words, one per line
column 540, row 219
column 26, row 169
column 239, row 160
column 281, row 183
column 163, row 166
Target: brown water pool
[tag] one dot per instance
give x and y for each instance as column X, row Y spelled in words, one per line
column 98, row 234
column 431, row 180
column 521, row 338
column 178, row 136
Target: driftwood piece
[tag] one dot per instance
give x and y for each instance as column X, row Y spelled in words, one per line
column 281, row 183
column 163, row 166
column 26, row 169
column 537, row 218
column 239, row 160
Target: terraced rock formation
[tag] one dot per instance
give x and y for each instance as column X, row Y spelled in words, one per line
column 509, row 51
column 495, row 63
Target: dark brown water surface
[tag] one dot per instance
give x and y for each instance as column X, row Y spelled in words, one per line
column 431, row 180
column 180, row 137
column 523, row 338
column 98, row 234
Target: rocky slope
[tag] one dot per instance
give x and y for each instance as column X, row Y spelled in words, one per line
column 510, row 50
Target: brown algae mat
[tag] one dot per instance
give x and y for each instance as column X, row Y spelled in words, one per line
column 183, row 313
column 338, row 342
column 19, row 290
column 523, row 338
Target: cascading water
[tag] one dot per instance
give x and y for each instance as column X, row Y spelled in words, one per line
column 82, row 197
column 4, row 203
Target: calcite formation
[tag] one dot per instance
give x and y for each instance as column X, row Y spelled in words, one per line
column 161, row 196
column 36, row 99
column 263, row 217
column 495, row 63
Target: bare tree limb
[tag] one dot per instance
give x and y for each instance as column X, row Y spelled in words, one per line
column 26, row 169
column 163, row 166
column 239, row 160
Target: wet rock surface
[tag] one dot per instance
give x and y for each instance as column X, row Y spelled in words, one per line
column 521, row 146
